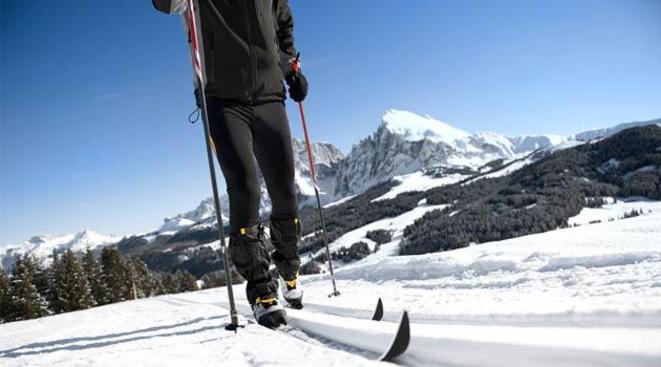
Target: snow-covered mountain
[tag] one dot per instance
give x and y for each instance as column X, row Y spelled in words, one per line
column 43, row 246
column 606, row 132
column 327, row 158
column 419, row 152
column 406, row 142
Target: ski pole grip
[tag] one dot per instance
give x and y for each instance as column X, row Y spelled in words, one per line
column 296, row 64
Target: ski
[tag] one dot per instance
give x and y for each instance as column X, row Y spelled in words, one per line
column 377, row 315
column 388, row 340
column 398, row 345
column 401, row 340
column 370, row 335
column 378, row 312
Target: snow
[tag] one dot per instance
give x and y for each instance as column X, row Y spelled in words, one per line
column 395, row 224
column 566, row 145
column 497, row 140
column 511, row 166
column 175, row 224
column 608, row 166
column 340, row 201
column 649, row 168
column 43, row 246
column 515, row 166
column 182, row 330
column 606, row 132
column 614, row 210
column 414, row 127
column 529, row 143
column 582, row 296
column 305, row 186
column 418, row 181
column 596, row 275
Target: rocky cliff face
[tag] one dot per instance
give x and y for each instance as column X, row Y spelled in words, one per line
column 406, row 142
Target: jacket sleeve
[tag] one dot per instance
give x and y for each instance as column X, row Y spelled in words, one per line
column 285, row 32
column 170, row 6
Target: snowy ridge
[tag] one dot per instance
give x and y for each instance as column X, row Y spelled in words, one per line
column 609, row 131
column 413, row 127
column 43, row 246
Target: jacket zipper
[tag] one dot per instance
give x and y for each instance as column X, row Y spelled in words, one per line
column 252, row 52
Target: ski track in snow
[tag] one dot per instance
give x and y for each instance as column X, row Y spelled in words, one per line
column 181, row 330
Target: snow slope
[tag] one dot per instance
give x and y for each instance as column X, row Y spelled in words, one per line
column 582, row 296
column 182, row 330
column 396, row 225
column 617, row 209
column 600, row 274
column 419, row 181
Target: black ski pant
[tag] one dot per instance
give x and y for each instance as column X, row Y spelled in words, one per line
column 245, row 137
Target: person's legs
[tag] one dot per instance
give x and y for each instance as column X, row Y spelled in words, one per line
column 230, row 126
column 274, row 152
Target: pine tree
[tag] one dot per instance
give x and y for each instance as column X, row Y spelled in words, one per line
column 24, row 301
column 114, row 275
column 53, row 293
column 218, row 278
column 130, row 279
column 95, row 278
column 158, row 288
column 70, row 282
column 145, row 280
column 4, row 293
column 41, row 278
column 187, row 282
column 170, row 283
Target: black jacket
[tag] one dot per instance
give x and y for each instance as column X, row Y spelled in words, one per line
column 248, row 46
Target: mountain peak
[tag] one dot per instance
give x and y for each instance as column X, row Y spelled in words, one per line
column 414, row 127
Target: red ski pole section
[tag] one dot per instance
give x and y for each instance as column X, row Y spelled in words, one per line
column 307, row 144
column 295, row 67
column 192, row 33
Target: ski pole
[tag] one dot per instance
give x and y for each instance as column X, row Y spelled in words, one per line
column 195, row 36
column 295, row 68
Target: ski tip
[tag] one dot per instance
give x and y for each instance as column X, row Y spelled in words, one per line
column 378, row 312
column 401, row 341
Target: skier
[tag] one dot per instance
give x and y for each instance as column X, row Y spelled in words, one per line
column 248, row 51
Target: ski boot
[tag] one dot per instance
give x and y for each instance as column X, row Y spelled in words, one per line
column 292, row 292
column 269, row 313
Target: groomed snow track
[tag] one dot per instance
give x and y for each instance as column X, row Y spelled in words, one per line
column 494, row 345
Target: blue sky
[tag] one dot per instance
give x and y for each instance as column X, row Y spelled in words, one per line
column 95, row 95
